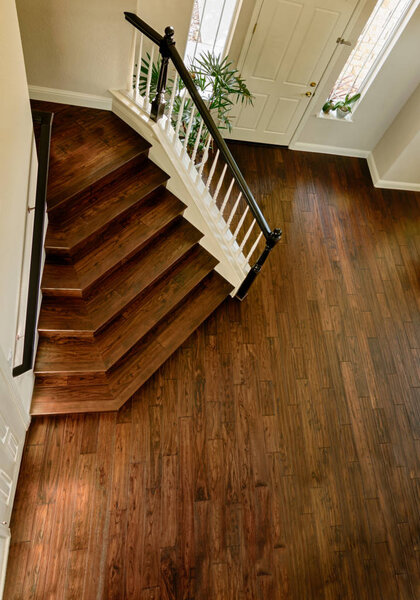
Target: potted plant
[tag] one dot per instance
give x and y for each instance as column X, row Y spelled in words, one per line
column 342, row 107
column 219, row 84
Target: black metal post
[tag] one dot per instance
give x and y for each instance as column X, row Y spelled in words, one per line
column 271, row 241
column 158, row 102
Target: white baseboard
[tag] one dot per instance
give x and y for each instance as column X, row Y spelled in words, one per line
column 337, row 150
column 68, row 97
column 386, row 183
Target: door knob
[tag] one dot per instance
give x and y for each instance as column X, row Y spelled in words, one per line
column 308, row 94
column 312, row 84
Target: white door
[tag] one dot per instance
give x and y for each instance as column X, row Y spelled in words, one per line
column 13, row 424
column 290, row 46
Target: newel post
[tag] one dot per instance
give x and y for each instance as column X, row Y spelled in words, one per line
column 270, row 242
column 158, row 102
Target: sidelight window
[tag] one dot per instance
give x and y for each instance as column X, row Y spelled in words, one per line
column 211, row 26
column 380, row 31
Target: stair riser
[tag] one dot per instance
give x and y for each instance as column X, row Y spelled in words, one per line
column 68, row 207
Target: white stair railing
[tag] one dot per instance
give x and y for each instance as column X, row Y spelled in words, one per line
column 188, row 126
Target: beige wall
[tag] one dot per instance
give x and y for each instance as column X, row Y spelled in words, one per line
column 83, row 45
column 17, row 169
column 397, row 155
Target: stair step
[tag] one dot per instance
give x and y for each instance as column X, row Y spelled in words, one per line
column 116, row 247
column 69, row 316
column 95, row 213
column 64, row 316
column 83, row 396
column 75, row 166
column 60, row 280
column 66, row 356
column 162, row 341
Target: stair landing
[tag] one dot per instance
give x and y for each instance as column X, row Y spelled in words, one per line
column 126, row 280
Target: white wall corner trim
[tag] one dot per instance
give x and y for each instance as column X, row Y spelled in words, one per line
column 386, row 183
column 320, row 148
column 68, row 97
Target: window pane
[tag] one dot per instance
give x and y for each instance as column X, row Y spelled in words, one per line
column 210, row 26
column 372, row 43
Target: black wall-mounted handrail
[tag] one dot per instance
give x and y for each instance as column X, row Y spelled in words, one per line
column 167, row 49
column 44, row 119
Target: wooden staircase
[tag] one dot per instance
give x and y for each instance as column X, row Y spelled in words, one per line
column 125, row 280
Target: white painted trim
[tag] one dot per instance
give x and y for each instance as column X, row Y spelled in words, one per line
column 186, row 185
column 340, row 151
column 68, row 97
column 386, row 183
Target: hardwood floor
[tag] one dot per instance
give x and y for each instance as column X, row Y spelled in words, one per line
column 275, row 455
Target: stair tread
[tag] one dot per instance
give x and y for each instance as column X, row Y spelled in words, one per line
column 159, row 344
column 67, row 399
column 64, row 315
column 95, row 213
column 60, row 280
column 67, row 356
column 83, row 151
column 118, row 246
column 117, row 291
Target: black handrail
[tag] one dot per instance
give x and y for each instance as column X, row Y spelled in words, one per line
column 44, row 119
column 167, row 49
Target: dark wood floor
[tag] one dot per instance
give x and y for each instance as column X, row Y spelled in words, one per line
column 276, row 454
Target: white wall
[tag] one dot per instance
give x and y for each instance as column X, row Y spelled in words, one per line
column 84, row 45
column 394, row 84
column 18, row 166
column 395, row 160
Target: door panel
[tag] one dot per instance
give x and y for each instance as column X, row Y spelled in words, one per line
column 290, row 48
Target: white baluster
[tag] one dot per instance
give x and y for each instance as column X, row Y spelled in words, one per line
column 171, row 101
column 242, row 219
column 130, row 76
column 180, row 114
column 219, row 184
column 197, row 141
column 149, row 77
column 136, row 95
column 212, row 170
column 233, row 211
column 251, row 252
column 246, row 236
column 205, row 156
column 187, row 134
column 226, row 198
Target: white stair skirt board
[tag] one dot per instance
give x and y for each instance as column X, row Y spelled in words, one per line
column 386, row 183
column 188, row 187
column 337, row 150
column 68, row 97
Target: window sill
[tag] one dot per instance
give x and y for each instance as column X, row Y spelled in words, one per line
column 332, row 117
